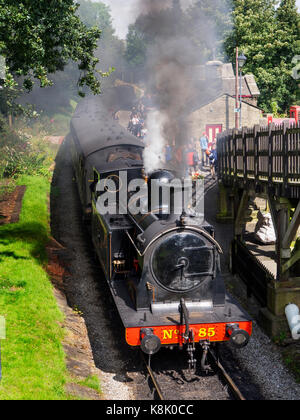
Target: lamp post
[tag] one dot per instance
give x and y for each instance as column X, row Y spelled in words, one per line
column 241, row 62
column 236, row 110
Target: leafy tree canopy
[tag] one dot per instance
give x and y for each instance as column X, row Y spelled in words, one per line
column 156, row 26
column 110, row 47
column 209, row 21
column 269, row 37
column 109, row 53
column 39, row 37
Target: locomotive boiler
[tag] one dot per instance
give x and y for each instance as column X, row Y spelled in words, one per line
column 162, row 267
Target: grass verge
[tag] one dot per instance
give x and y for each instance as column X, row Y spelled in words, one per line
column 33, row 361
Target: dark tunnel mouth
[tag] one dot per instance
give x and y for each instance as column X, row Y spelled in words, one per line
column 182, row 269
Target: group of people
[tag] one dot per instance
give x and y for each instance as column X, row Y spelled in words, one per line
column 195, row 155
column 137, row 121
column 206, row 152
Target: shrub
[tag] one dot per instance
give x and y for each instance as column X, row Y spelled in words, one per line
column 17, row 154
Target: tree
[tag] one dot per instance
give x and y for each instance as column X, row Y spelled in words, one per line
column 152, row 28
column 110, row 48
column 209, row 22
column 136, row 47
column 39, row 37
column 288, row 47
column 259, row 31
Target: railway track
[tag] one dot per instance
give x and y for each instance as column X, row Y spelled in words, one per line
column 160, row 387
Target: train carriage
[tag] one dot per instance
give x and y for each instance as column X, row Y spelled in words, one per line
column 163, row 270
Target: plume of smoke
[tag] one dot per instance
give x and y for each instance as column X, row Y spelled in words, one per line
column 169, row 63
column 125, row 12
column 153, row 153
column 169, row 70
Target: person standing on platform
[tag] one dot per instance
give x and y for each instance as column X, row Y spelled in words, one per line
column 213, row 158
column 204, row 147
column 168, row 153
column 191, row 159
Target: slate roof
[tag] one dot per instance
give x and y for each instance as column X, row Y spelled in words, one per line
column 208, row 89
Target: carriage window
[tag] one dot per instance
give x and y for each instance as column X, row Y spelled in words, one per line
column 124, row 154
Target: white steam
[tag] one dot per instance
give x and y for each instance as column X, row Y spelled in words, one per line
column 154, row 151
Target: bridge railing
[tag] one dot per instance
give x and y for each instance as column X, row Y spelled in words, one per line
column 261, row 155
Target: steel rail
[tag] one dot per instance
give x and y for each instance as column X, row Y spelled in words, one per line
column 229, row 381
column 219, row 369
column 153, row 379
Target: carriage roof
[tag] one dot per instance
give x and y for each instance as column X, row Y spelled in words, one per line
column 94, row 128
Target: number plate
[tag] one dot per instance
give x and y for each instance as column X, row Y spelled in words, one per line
column 174, row 334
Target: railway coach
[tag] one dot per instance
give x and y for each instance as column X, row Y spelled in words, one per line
column 162, row 268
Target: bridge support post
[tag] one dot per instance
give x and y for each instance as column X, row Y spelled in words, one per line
column 285, row 288
column 226, row 205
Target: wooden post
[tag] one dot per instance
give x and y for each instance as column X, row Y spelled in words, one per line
column 256, row 150
column 283, row 218
column 240, row 220
column 237, row 89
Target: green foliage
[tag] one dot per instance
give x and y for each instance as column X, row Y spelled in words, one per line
column 40, row 37
column 136, row 50
column 18, row 155
column 203, row 27
column 109, row 48
column 209, row 22
column 95, row 15
column 18, row 160
column 269, row 37
column 109, row 52
column 153, row 30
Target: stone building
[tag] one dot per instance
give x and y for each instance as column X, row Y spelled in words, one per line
column 212, row 108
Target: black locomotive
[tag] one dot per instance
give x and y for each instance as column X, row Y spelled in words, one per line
column 163, row 270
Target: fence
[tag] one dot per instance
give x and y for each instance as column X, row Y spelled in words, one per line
column 262, row 155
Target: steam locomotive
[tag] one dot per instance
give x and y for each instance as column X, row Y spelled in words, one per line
column 163, row 268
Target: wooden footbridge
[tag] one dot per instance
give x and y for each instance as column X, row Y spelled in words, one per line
column 263, row 163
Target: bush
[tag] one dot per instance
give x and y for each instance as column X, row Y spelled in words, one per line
column 17, row 155
column 20, row 160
